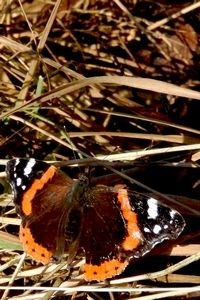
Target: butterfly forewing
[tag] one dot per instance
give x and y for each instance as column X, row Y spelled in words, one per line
column 40, row 205
column 156, row 221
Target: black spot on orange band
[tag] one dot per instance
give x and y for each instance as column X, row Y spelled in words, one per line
column 36, row 251
column 106, row 269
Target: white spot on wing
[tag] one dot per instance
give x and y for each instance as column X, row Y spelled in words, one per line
column 146, row 229
column 29, row 167
column 172, row 213
column 153, row 208
column 18, row 181
column 17, row 161
column 157, row 229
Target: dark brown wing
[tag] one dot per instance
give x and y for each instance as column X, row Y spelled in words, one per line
column 40, row 195
column 119, row 226
column 104, row 229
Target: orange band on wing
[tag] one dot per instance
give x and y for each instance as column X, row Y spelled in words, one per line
column 106, row 269
column 36, row 186
column 134, row 236
column 35, row 250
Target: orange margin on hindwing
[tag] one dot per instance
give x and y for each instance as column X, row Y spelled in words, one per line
column 36, row 251
column 106, row 269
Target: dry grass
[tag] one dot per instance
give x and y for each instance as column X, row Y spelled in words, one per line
column 115, row 81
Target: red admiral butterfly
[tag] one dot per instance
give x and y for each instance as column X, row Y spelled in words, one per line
column 111, row 224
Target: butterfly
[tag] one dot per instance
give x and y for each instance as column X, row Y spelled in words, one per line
column 110, row 224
